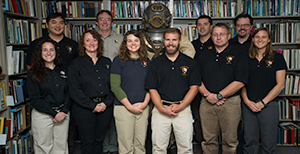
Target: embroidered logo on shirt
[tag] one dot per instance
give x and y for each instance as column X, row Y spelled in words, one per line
column 144, row 64
column 116, row 40
column 69, row 48
column 107, row 66
column 229, row 59
column 269, row 63
column 210, row 47
column 63, row 74
column 184, row 70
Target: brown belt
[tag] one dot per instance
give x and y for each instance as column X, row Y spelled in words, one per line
column 168, row 103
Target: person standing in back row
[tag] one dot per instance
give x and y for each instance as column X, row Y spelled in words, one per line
column 112, row 42
column 203, row 43
column 55, row 23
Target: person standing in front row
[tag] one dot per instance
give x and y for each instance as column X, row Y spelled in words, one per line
column 127, row 78
column 172, row 80
column 112, row 42
column 90, row 89
column 224, row 72
column 47, row 87
column 203, row 43
column 55, row 23
column 260, row 107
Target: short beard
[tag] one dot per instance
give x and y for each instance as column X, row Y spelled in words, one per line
column 172, row 53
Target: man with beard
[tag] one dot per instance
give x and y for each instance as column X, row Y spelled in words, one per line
column 203, row 43
column 223, row 73
column 172, row 80
column 243, row 25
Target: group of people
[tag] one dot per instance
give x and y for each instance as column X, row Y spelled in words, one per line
column 107, row 81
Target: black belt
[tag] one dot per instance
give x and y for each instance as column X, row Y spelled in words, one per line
column 98, row 99
column 57, row 109
column 168, row 104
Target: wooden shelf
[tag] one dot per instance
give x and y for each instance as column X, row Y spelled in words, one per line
column 18, row 74
column 286, row 44
column 2, row 76
column 4, row 109
column 22, row 16
column 276, row 17
column 94, row 18
column 288, row 95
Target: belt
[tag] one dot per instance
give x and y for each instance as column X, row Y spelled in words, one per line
column 57, row 109
column 168, row 103
column 98, row 99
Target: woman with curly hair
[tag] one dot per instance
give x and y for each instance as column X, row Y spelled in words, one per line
column 260, row 108
column 47, row 87
column 90, row 89
column 128, row 74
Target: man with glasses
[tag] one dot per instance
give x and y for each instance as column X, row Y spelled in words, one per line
column 243, row 25
column 223, row 73
column 112, row 42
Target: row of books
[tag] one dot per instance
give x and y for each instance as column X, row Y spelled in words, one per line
column 25, row 7
column 289, row 109
column 119, row 9
column 15, row 60
column 20, row 31
column 292, row 57
column 204, row 7
column 288, row 133
column 20, row 118
column 271, row 7
column 18, row 91
column 23, row 144
column 72, row 9
column 291, row 85
column 74, row 31
column 283, row 31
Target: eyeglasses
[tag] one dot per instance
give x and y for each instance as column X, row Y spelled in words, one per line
column 221, row 34
column 106, row 19
column 243, row 25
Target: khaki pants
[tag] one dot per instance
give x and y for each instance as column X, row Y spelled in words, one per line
column 131, row 129
column 182, row 125
column 49, row 137
column 225, row 117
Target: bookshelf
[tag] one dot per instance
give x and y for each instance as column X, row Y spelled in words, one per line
column 18, row 30
column 177, row 21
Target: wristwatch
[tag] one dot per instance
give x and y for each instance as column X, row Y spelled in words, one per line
column 219, row 96
column 264, row 103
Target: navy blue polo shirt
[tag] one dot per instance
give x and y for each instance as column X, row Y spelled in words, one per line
column 241, row 47
column 262, row 75
column 218, row 70
column 133, row 74
column 172, row 80
column 68, row 49
column 201, row 47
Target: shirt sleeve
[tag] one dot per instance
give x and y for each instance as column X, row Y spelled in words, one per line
column 67, row 101
column 281, row 65
column 75, row 90
column 151, row 78
column 194, row 76
column 241, row 72
column 36, row 99
column 115, row 83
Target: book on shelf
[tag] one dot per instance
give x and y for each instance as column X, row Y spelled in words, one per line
column 289, row 109
column 2, row 95
column 18, row 90
column 15, row 60
column 8, row 130
column 25, row 7
column 2, row 125
column 72, row 9
column 288, row 134
column 271, row 7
